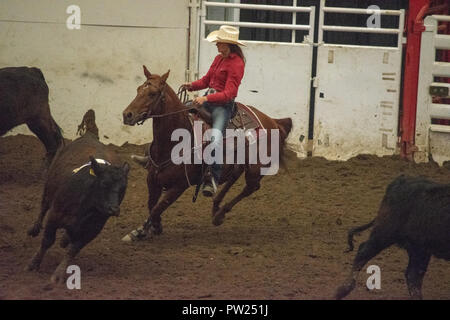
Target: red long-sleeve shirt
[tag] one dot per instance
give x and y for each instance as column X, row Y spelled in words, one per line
column 224, row 75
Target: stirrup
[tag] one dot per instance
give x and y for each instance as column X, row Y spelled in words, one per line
column 209, row 188
column 136, row 235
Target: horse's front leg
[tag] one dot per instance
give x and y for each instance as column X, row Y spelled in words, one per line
column 154, row 193
column 154, row 221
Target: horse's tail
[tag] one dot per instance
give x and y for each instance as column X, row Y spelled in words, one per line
column 88, row 124
column 285, row 127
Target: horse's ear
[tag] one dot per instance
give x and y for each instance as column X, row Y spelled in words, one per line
column 146, row 72
column 164, row 77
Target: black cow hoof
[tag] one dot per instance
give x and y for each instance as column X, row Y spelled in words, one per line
column 64, row 241
column 34, row 230
column 344, row 290
column 58, row 278
column 31, row 267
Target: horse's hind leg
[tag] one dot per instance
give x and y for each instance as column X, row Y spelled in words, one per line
column 235, row 174
column 252, row 180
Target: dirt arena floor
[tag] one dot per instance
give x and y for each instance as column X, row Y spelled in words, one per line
column 286, row 241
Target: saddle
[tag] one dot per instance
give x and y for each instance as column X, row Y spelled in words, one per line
column 243, row 117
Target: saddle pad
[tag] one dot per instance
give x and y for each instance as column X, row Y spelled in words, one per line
column 245, row 119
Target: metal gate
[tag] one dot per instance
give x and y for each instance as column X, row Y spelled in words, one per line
column 277, row 74
column 357, row 87
column 432, row 137
column 358, row 90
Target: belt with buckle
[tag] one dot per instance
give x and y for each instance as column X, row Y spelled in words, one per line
column 210, row 91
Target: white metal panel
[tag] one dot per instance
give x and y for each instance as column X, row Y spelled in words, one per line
column 277, row 75
column 440, row 144
column 432, row 139
column 167, row 13
column 357, row 101
column 96, row 67
column 357, row 94
column 440, row 111
column 274, row 82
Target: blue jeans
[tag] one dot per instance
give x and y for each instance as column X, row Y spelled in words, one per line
column 221, row 115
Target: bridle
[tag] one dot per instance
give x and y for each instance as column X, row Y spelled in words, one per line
column 182, row 95
column 160, row 99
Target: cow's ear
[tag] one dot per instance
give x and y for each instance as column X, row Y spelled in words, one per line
column 126, row 168
column 95, row 168
column 164, row 77
column 146, row 72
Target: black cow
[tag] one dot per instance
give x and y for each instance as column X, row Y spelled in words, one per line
column 415, row 215
column 79, row 202
column 24, row 99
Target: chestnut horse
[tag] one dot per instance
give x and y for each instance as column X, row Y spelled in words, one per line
column 24, row 99
column 166, row 180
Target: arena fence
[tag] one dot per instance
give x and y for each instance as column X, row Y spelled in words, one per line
column 343, row 98
column 432, row 125
column 277, row 78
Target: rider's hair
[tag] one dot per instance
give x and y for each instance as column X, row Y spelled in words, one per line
column 237, row 50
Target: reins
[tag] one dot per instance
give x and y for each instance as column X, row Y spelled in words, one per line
column 182, row 95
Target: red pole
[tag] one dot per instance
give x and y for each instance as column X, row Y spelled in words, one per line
column 414, row 28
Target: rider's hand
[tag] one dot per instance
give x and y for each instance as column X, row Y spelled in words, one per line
column 187, row 86
column 200, row 100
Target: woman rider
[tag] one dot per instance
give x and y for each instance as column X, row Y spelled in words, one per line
column 222, row 80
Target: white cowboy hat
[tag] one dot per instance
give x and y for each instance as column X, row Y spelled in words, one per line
column 226, row 34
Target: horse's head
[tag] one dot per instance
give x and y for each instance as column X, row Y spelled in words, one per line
column 149, row 99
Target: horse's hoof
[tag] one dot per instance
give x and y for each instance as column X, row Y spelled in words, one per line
column 218, row 219
column 34, row 230
column 136, row 235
